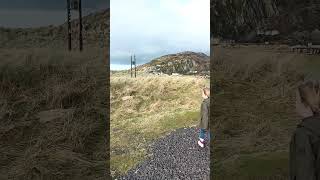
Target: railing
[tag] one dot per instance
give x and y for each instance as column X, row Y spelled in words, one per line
column 311, row 49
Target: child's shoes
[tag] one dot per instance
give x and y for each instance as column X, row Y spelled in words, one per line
column 201, row 142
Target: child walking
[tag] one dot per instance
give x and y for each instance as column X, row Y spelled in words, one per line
column 204, row 117
column 305, row 141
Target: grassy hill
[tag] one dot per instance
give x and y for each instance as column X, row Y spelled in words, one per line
column 239, row 20
column 53, row 103
column 254, row 110
column 95, row 26
column 182, row 63
column 146, row 108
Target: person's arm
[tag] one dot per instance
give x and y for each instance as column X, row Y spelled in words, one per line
column 200, row 118
column 302, row 160
column 205, row 116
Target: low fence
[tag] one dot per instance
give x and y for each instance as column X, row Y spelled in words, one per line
column 312, row 49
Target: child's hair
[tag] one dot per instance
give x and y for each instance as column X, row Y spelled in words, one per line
column 309, row 92
column 206, row 91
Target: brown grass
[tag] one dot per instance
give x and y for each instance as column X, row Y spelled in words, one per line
column 254, row 112
column 53, row 114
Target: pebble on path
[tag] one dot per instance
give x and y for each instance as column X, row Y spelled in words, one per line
column 175, row 156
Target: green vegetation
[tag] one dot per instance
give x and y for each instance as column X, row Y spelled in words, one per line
column 146, row 108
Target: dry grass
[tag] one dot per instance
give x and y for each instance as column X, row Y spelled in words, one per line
column 254, row 112
column 53, row 114
column 145, row 108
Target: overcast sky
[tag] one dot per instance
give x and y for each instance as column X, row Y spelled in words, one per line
column 35, row 13
column 151, row 28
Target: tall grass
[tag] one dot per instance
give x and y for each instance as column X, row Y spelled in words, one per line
column 53, row 114
column 254, row 112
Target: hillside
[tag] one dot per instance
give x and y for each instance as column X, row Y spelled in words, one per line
column 138, row 116
column 254, row 110
column 53, row 103
column 182, row 63
column 95, row 26
column 241, row 20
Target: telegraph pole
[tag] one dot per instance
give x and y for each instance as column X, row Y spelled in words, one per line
column 69, row 25
column 74, row 5
column 135, row 66
column 131, row 65
column 80, row 26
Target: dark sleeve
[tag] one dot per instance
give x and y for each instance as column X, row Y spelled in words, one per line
column 302, row 160
column 208, row 112
column 205, row 114
column 200, row 117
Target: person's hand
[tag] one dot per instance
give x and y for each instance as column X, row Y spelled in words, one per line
column 197, row 129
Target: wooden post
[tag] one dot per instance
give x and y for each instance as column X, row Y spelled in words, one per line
column 135, row 66
column 80, row 27
column 69, row 25
column 131, row 65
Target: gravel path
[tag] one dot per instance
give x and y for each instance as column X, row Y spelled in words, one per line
column 175, row 156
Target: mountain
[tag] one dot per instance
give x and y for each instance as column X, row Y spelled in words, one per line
column 246, row 20
column 95, row 27
column 183, row 63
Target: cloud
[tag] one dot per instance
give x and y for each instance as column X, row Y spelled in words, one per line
column 118, row 67
column 152, row 28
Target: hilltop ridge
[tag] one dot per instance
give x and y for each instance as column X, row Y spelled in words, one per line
column 95, row 26
column 186, row 62
column 284, row 21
